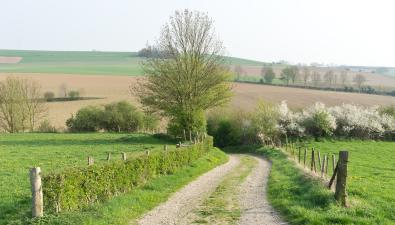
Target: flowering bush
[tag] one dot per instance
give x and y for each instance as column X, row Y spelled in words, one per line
column 289, row 122
column 317, row 120
column 361, row 122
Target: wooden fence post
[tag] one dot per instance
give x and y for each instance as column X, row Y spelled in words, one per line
column 327, row 164
column 123, row 156
column 185, row 136
column 304, row 157
column 147, row 152
column 190, row 135
column 37, row 192
column 90, row 161
column 299, row 154
column 341, row 181
column 165, row 147
column 323, row 166
column 312, row 166
column 108, row 156
column 333, row 163
column 319, row 160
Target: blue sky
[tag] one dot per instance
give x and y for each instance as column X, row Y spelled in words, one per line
column 326, row 31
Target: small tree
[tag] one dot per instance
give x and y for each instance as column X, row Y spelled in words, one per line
column 289, row 73
column 269, row 75
column 63, row 91
column 49, row 96
column 74, row 95
column 191, row 77
column 265, row 121
column 359, row 80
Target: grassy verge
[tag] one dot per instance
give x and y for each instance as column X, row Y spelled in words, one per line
column 130, row 206
column 53, row 152
column 222, row 206
column 304, row 200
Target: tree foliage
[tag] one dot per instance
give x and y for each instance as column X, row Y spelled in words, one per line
column 269, row 75
column 189, row 76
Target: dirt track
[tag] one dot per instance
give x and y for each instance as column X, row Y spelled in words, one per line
column 254, row 205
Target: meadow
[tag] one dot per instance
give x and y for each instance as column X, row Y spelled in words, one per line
column 304, row 200
column 56, row 152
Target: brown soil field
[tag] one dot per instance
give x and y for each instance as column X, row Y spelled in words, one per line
column 116, row 88
column 372, row 79
column 9, row 60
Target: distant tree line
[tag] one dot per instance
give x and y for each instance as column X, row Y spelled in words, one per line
column 312, row 78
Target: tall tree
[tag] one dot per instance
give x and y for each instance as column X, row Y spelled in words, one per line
column 188, row 77
column 21, row 105
column 269, row 75
column 316, row 78
column 289, row 73
column 306, row 75
column 359, row 80
column 329, row 77
column 343, row 78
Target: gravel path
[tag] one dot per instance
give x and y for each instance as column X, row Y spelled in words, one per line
column 254, row 204
column 189, row 197
column 255, row 207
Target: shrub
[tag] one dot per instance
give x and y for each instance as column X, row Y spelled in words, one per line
column 121, row 116
column 150, row 122
column 231, row 128
column 49, row 96
column 289, row 122
column 317, row 121
column 87, row 119
column 361, row 122
column 74, row 95
column 46, row 127
column 78, row 187
column 265, row 120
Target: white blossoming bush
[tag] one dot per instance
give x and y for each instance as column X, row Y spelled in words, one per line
column 289, row 122
column 361, row 122
column 318, row 121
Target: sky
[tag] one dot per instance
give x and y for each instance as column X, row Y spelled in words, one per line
column 351, row 32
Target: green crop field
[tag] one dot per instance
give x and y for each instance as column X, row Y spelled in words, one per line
column 80, row 62
column 371, row 181
column 52, row 152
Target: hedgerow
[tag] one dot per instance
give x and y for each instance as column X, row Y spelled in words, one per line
column 77, row 187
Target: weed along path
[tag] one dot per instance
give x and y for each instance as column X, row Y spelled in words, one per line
column 233, row 193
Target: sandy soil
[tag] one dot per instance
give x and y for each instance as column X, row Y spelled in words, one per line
column 189, row 197
column 255, row 206
column 116, row 88
column 9, row 60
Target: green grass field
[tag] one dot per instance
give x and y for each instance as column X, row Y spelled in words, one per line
column 53, row 152
column 84, row 62
column 371, row 181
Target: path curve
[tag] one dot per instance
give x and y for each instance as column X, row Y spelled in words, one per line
column 189, row 197
column 253, row 200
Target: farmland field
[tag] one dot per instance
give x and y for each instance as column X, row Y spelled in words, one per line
column 116, row 88
column 53, row 152
column 370, row 181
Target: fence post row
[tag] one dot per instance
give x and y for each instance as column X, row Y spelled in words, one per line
column 37, row 192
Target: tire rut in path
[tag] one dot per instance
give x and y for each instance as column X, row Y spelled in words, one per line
column 190, row 196
column 253, row 200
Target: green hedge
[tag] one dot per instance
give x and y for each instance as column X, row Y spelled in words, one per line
column 78, row 187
